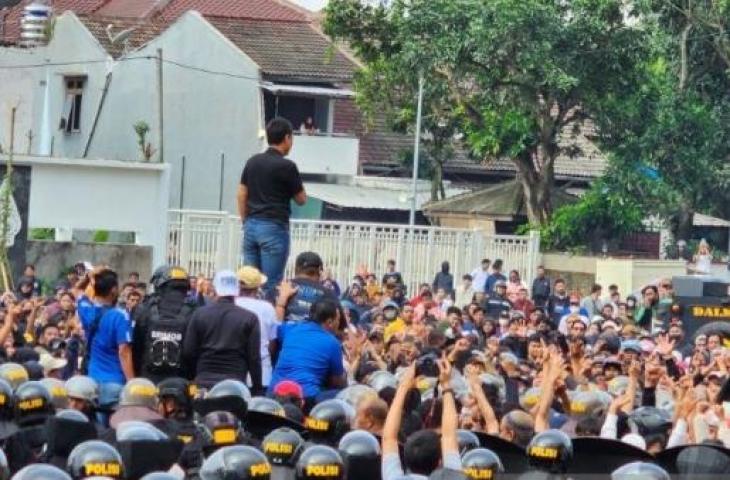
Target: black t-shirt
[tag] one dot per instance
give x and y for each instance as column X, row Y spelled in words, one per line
column 272, row 182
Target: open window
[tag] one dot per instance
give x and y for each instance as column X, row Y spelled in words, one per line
column 71, row 114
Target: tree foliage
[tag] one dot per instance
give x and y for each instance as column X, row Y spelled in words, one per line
column 511, row 75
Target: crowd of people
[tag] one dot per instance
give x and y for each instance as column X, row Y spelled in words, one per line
column 187, row 377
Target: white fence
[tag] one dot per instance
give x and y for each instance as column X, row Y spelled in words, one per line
column 203, row 242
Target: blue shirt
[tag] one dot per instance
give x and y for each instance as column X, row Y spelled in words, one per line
column 310, row 356
column 114, row 329
column 492, row 281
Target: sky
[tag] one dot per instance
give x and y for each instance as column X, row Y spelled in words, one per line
column 313, row 5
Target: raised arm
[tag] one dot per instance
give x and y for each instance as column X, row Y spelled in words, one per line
column 485, row 408
column 392, row 421
column 554, row 368
column 449, row 416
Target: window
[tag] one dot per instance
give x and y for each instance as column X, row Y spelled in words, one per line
column 71, row 115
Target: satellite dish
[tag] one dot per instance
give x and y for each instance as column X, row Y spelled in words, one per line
column 121, row 37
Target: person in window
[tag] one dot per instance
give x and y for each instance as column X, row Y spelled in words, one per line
column 308, row 128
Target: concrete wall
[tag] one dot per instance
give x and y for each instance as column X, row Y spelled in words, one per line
column 68, row 194
column 52, row 258
column 205, row 115
column 578, row 272
column 631, row 275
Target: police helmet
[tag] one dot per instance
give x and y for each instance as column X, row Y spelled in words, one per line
column 178, row 389
column 467, row 441
column 139, row 392
column 355, row 393
column 230, row 388
column 160, row 476
column 6, row 400
column 221, row 428
column 95, row 457
column 41, row 471
column 83, row 388
column 57, row 389
column 529, row 398
column 4, row 468
column 266, row 405
column 236, row 462
column 648, row 421
column 283, row 446
column 328, row 421
column 135, row 430
column 319, row 462
column 32, row 402
column 640, row 470
column 382, row 379
column 481, row 463
column 13, row 373
column 589, row 404
column 360, row 443
column 73, row 415
column 550, row 451
column 175, row 276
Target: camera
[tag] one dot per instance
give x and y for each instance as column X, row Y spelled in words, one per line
column 427, row 366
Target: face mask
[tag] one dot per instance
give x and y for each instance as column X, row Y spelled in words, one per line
column 390, row 314
column 574, row 309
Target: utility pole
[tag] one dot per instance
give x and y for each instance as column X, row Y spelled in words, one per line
column 160, row 108
column 416, row 148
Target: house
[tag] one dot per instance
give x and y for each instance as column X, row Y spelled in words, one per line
column 224, row 72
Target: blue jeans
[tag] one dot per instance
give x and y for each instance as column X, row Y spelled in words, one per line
column 108, row 399
column 266, row 247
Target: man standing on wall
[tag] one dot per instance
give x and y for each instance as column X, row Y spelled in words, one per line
column 268, row 184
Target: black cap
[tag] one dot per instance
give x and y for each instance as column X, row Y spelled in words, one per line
column 308, row 260
column 319, row 462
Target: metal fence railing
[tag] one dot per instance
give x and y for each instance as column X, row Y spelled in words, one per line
column 205, row 241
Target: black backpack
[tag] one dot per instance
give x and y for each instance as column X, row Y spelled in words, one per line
column 164, row 339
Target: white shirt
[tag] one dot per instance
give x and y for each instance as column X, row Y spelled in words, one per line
column 479, row 279
column 267, row 320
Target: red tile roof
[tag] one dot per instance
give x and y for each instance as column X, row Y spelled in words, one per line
column 252, row 9
column 130, row 8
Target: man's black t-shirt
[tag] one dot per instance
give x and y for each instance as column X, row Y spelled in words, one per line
column 272, row 182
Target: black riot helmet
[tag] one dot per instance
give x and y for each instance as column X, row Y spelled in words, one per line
column 328, row 422
column 171, row 277
column 145, row 449
column 650, row 421
column 361, row 451
column 160, row 476
column 481, row 463
column 13, row 373
column 640, row 470
column 266, row 405
column 181, row 391
column 6, row 400
column 221, row 429
column 32, row 403
column 319, row 462
column 229, row 395
column 550, row 451
column 67, row 429
column 41, row 471
column 57, row 389
column 236, row 462
column 230, row 388
column 467, row 441
column 282, row 447
column 95, row 458
column 4, row 468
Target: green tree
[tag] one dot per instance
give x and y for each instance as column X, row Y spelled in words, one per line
column 511, row 75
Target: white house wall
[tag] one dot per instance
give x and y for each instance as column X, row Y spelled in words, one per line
column 205, row 115
column 18, row 87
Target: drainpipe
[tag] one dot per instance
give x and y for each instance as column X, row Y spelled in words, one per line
column 98, row 112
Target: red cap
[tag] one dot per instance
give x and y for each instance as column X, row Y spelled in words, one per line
column 288, row 388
